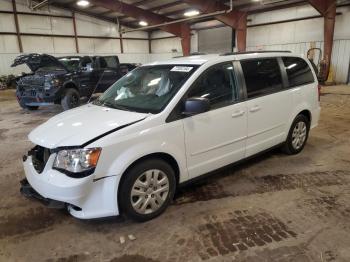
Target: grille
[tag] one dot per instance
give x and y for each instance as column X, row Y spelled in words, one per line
column 40, row 155
column 33, row 80
column 32, row 93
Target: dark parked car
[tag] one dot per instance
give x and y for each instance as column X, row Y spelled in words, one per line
column 63, row 80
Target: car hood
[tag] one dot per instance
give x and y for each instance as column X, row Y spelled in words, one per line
column 77, row 126
column 36, row 61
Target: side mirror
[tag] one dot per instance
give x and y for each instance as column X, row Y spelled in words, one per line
column 196, row 105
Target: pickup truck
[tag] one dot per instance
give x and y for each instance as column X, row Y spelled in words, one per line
column 63, row 80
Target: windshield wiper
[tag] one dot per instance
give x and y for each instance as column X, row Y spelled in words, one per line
column 108, row 104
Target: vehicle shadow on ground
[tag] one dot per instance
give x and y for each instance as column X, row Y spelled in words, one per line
column 230, row 170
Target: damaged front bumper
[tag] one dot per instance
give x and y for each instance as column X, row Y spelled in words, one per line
column 84, row 198
column 28, row 191
column 36, row 97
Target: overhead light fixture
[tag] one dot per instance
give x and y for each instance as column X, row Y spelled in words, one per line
column 83, row 3
column 143, row 23
column 191, row 13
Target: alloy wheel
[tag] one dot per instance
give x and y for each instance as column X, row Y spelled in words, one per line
column 299, row 135
column 74, row 101
column 149, row 191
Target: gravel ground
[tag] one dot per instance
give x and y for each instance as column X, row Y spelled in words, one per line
column 271, row 208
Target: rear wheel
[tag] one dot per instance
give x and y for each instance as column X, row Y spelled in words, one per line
column 70, row 99
column 297, row 136
column 147, row 189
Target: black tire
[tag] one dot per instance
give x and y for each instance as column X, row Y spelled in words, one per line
column 32, row 108
column 290, row 148
column 125, row 197
column 71, row 99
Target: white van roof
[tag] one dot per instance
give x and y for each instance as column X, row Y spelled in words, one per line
column 199, row 59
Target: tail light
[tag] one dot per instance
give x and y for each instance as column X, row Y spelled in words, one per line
column 319, row 92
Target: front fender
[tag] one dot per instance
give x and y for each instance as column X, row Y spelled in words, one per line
column 70, row 83
column 131, row 155
column 117, row 156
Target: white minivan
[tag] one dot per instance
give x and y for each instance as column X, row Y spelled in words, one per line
column 166, row 123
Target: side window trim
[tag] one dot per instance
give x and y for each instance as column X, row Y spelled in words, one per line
column 284, row 75
column 240, row 80
column 176, row 115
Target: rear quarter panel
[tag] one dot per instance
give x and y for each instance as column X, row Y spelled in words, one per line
column 305, row 97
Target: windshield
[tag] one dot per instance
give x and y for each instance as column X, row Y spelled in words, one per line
column 71, row 63
column 146, row 89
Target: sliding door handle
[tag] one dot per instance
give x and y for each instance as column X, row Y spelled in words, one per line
column 238, row 113
column 254, row 109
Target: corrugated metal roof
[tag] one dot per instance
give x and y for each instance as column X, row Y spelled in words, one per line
column 174, row 8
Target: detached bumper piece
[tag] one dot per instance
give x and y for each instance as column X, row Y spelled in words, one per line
column 29, row 192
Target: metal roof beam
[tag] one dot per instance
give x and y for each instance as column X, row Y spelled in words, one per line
column 235, row 19
column 181, row 30
column 208, row 6
column 87, row 13
column 141, row 14
column 164, row 6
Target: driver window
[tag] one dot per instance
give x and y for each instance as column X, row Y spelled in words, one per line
column 218, row 85
column 86, row 63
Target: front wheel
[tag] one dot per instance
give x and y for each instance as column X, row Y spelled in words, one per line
column 297, row 136
column 70, row 99
column 147, row 189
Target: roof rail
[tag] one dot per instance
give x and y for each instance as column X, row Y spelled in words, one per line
column 253, row 52
column 192, row 54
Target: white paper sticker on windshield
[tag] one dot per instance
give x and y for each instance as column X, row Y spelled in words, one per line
column 181, row 69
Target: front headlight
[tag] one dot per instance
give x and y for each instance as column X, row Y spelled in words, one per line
column 47, row 85
column 78, row 162
column 52, row 83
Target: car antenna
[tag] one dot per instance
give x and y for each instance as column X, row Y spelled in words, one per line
column 98, row 82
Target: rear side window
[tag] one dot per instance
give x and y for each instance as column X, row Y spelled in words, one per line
column 298, row 71
column 110, row 61
column 102, row 62
column 262, row 76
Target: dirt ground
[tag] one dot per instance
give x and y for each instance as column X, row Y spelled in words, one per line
column 272, row 208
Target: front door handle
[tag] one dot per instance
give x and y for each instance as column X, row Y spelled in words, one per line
column 254, row 109
column 238, row 113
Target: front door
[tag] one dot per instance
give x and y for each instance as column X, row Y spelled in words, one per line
column 108, row 72
column 85, row 76
column 216, row 138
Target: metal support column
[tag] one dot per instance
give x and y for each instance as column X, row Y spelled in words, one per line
column 20, row 47
column 75, row 33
